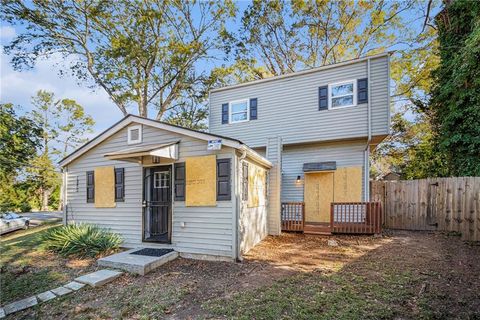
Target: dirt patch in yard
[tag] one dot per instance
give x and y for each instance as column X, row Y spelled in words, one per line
column 401, row 275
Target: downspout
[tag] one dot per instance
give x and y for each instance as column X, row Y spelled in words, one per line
column 238, row 206
column 369, row 139
column 64, row 194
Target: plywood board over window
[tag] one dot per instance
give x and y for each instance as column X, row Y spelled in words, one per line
column 323, row 188
column 200, row 182
column 256, row 186
column 104, row 187
column 318, row 196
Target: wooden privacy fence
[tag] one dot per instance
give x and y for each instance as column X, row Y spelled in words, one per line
column 445, row 204
column 293, row 217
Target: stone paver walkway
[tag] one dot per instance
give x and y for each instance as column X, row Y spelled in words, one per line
column 94, row 279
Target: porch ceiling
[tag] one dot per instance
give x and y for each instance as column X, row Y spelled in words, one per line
column 135, row 154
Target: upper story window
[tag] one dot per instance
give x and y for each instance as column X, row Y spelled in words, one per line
column 239, row 111
column 343, row 94
column 134, row 134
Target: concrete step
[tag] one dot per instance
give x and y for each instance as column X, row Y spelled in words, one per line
column 135, row 263
column 99, row 278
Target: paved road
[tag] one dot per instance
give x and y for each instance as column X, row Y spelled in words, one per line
column 40, row 217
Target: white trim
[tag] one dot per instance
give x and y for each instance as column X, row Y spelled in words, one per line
column 129, row 136
column 294, row 74
column 354, row 93
column 230, row 120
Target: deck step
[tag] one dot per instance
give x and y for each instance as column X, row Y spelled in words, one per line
column 320, row 229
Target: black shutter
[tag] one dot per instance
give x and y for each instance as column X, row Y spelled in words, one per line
column 253, row 109
column 90, row 186
column 323, row 98
column 245, row 181
column 119, row 184
column 362, row 90
column 223, row 179
column 179, row 181
column 224, row 113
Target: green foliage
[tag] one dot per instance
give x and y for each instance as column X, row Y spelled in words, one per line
column 455, row 103
column 19, row 139
column 409, row 150
column 81, row 240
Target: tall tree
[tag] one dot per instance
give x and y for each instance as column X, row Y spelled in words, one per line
column 64, row 124
column 455, row 103
column 19, row 138
column 142, row 53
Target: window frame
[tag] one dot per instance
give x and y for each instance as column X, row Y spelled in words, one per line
column 161, row 175
column 354, row 93
column 129, row 136
column 230, row 113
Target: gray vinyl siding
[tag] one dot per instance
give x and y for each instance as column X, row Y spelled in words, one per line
column 288, row 107
column 252, row 225
column 346, row 154
column 208, row 230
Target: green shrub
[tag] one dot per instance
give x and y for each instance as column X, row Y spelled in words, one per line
column 83, row 240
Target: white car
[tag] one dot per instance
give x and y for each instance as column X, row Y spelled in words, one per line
column 10, row 221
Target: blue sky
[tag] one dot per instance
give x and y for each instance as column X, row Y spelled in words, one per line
column 19, row 87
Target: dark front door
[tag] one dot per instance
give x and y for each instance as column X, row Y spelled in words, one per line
column 157, row 204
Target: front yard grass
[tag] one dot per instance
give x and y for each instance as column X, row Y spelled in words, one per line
column 25, row 269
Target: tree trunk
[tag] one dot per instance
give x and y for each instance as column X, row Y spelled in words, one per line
column 45, row 196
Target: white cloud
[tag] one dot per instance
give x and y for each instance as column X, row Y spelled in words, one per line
column 18, row 88
column 7, row 33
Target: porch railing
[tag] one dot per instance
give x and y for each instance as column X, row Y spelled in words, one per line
column 356, row 217
column 293, row 216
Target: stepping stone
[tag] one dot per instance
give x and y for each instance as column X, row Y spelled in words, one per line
column 61, row 291
column 2, row 313
column 99, row 278
column 45, row 296
column 74, row 285
column 20, row 305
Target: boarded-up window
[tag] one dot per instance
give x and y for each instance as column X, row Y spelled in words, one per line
column 256, row 187
column 245, row 181
column 119, row 184
column 200, row 182
column 90, row 187
column 104, row 187
column 223, row 179
column 180, row 181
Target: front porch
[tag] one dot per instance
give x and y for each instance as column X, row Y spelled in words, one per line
column 345, row 217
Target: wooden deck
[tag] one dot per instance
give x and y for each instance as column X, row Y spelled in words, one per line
column 345, row 217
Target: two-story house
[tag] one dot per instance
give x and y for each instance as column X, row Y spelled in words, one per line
column 278, row 150
column 317, row 127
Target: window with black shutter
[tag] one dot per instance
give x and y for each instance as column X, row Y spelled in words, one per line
column 119, row 184
column 323, row 98
column 179, row 181
column 362, row 90
column 225, row 113
column 253, row 109
column 245, row 181
column 223, row 179
column 90, row 186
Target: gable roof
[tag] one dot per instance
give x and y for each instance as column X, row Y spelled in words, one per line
column 229, row 142
column 302, row 72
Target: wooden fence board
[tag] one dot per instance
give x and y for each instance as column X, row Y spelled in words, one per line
column 447, row 204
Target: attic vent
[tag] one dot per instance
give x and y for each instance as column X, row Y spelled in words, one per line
column 135, row 134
